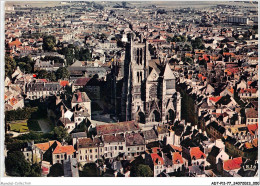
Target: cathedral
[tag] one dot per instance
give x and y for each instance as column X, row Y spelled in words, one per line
column 149, row 94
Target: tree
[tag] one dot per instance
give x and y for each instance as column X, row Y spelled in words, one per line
column 10, row 66
column 25, row 63
column 144, row 171
column 61, row 133
column 62, row 73
column 56, row 170
column 16, row 165
column 49, row 42
column 51, row 76
column 197, row 44
column 35, row 170
column 42, row 74
column 89, row 170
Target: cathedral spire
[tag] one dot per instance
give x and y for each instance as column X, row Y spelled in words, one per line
column 168, row 74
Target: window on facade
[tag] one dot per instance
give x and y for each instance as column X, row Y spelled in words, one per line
column 105, row 148
column 142, row 148
column 153, row 91
column 111, row 148
column 90, row 150
column 120, row 147
column 80, row 157
column 95, row 156
column 100, row 150
column 90, row 157
column 58, row 156
column 137, row 148
column 128, row 149
column 86, row 157
column 86, row 151
column 115, row 147
column 255, row 120
column 61, row 156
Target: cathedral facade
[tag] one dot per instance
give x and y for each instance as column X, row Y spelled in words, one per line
column 149, row 94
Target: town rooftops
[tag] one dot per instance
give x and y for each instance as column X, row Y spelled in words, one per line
column 177, row 158
column 79, row 135
column 64, row 149
column 88, row 142
column 214, row 151
column 149, row 134
column 42, row 86
column 134, row 139
column 157, row 160
column 81, row 81
column 217, row 127
column 196, row 153
column 252, row 128
column 113, row 128
column 232, row 164
column 80, row 97
column 251, row 113
column 114, row 138
column 46, row 146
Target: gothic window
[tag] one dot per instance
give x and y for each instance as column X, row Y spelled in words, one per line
column 141, row 55
column 153, row 91
column 137, row 54
column 141, row 117
column 155, row 116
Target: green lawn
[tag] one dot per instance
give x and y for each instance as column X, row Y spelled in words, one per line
column 19, row 126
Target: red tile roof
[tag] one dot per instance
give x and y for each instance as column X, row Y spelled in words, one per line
column 197, row 153
column 252, row 90
column 177, row 158
column 156, row 159
column 15, row 43
column 64, row 83
column 64, row 149
column 232, row 164
column 215, row 99
column 46, row 146
column 252, row 128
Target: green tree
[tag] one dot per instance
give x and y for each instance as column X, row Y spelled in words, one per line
column 10, row 66
column 35, row 170
column 61, row 133
column 51, row 76
column 144, row 171
column 42, row 74
column 62, row 73
column 89, row 170
column 16, row 165
column 49, row 42
column 56, row 170
column 197, row 44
